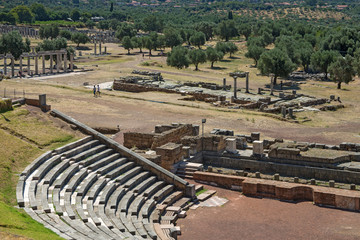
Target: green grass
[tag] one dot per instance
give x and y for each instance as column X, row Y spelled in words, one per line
column 61, row 23
column 17, row 222
column 201, row 191
column 23, row 137
column 21, row 123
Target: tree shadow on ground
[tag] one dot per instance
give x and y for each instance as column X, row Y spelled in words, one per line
column 217, row 68
column 83, row 48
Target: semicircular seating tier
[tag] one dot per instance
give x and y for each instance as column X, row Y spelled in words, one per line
column 88, row 190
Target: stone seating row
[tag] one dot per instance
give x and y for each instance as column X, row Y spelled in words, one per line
column 85, row 190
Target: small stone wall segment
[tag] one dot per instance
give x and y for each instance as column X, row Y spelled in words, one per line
column 154, row 140
column 170, row 153
column 225, row 181
column 322, row 196
column 161, row 173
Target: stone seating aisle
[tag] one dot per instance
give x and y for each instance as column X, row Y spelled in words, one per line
column 86, row 190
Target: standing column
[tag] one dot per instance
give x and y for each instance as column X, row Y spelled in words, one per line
column 94, row 48
column 105, row 51
column 100, row 47
column 51, row 63
column 235, row 90
column 247, row 82
column 43, row 63
column 5, row 65
column 71, row 62
column 21, row 67
column 271, row 84
column 12, row 67
column 65, row 62
column 28, row 70
column 224, row 83
column 58, row 63
column 36, row 65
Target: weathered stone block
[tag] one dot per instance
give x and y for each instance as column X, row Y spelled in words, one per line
column 258, row 148
column 231, row 145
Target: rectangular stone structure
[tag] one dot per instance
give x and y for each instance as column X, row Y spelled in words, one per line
column 42, row 99
column 231, row 145
column 258, row 148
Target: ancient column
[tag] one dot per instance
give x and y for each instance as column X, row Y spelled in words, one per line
column 21, row 67
column 12, row 66
column 51, row 63
column 235, row 90
column 28, row 70
column 94, row 48
column 57, row 62
column 43, row 63
column 105, row 50
column 71, row 62
column 5, row 65
column 65, row 62
column 271, row 84
column 224, row 83
column 100, row 47
column 36, row 65
column 247, row 82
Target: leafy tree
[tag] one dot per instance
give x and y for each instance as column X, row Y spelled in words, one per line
column 226, row 30
column 65, row 34
column 197, row 39
column 22, row 14
column 152, row 23
column 245, row 29
column 172, row 37
column 256, row 41
column 161, row 42
column 207, row 28
column 55, row 44
column 49, row 31
column 111, row 7
column 212, row 55
column 149, row 44
column 277, row 62
column 290, row 46
column 127, row 43
column 90, row 24
column 12, row 42
column 178, row 57
column 321, row 60
column 254, row 52
column 7, row 18
column 357, row 61
column 305, row 52
column 231, row 48
column 125, row 30
column 196, row 57
column 39, row 11
column 230, row 15
column 75, row 15
column 137, row 43
column 154, row 38
column 222, row 47
column 80, row 38
column 342, row 70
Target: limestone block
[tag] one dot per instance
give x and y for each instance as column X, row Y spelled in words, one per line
column 231, row 145
column 258, row 147
column 255, row 136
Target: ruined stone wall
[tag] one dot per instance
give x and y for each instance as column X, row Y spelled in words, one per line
column 323, row 196
column 140, row 140
column 225, row 181
column 170, row 153
column 173, row 135
column 210, row 142
column 130, row 87
column 295, row 154
column 284, row 169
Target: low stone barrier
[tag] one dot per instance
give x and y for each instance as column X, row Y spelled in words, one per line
column 254, row 187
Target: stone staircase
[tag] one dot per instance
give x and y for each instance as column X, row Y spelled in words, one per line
column 87, row 190
column 187, row 169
